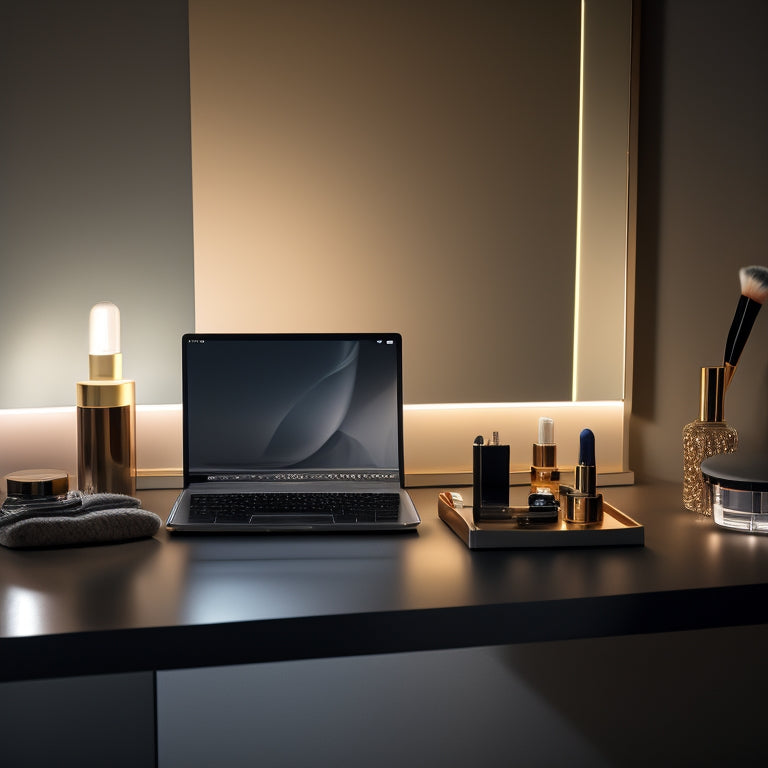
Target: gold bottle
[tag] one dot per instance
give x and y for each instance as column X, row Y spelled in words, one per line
column 544, row 471
column 106, row 412
column 707, row 436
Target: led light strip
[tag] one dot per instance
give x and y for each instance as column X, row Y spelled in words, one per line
column 577, row 296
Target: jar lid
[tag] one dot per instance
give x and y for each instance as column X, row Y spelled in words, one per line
column 36, row 483
column 744, row 471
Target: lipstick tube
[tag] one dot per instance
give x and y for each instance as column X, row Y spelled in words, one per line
column 583, row 505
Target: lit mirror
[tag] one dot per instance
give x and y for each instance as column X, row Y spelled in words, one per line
column 412, row 166
column 448, row 171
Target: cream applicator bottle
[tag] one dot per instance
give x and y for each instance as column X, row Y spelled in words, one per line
column 106, row 419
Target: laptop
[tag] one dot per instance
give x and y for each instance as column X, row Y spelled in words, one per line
column 292, row 432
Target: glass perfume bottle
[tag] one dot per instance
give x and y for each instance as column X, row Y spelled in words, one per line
column 705, row 437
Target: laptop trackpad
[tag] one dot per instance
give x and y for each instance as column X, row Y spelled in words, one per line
column 290, row 519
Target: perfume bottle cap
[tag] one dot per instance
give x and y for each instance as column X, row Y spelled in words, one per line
column 546, row 430
column 104, row 359
column 104, row 329
column 712, row 393
column 545, row 451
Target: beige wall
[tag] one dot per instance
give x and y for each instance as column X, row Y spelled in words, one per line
column 702, row 214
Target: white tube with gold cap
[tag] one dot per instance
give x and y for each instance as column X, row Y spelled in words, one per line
column 106, row 411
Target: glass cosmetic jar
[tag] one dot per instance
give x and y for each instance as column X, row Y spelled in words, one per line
column 737, row 486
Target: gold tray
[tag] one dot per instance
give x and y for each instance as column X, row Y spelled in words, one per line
column 615, row 530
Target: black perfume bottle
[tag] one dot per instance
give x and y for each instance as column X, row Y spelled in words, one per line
column 490, row 477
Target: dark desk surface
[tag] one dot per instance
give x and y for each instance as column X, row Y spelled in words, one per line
column 175, row 602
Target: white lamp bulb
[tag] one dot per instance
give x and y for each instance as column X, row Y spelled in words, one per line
column 104, row 329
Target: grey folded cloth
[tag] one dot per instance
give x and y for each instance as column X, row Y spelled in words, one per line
column 76, row 519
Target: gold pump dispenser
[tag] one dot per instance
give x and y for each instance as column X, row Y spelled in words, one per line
column 106, row 411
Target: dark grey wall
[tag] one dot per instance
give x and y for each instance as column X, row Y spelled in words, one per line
column 95, row 192
column 702, row 214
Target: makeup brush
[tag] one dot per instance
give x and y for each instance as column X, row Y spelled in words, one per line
column 754, row 291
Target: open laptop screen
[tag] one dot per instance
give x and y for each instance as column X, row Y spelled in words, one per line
column 298, row 403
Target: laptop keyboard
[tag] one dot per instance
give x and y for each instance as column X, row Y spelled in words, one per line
column 289, row 508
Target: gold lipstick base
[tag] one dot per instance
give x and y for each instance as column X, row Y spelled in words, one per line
column 581, row 509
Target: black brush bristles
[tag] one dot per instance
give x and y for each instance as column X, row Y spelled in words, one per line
column 754, row 291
